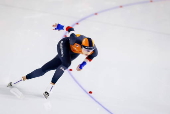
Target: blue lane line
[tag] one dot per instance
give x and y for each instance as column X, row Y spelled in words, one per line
column 117, row 7
column 89, row 94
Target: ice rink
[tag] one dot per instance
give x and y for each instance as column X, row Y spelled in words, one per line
column 131, row 74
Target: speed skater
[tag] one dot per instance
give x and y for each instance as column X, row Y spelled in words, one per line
column 68, row 48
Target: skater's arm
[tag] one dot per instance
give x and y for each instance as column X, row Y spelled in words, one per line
column 80, row 66
column 62, row 27
column 88, row 59
column 93, row 55
column 71, row 32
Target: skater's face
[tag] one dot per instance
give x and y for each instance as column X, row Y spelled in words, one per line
column 86, row 52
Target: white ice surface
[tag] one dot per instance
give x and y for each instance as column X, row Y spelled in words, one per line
column 131, row 74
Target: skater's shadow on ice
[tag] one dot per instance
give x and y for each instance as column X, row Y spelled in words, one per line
column 27, row 95
column 6, row 91
column 18, row 92
column 47, row 105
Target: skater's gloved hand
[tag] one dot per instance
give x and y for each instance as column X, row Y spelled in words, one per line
column 80, row 67
column 58, row 27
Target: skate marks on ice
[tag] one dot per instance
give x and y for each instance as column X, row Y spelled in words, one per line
column 15, row 91
column 42, row 100
column 4, row 91
column 10, row 92
column 47, row 105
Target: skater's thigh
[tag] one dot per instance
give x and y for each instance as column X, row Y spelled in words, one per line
column 51, row 65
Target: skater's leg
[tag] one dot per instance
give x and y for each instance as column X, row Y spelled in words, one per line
column 35, row 73
column 63, row 49
column 51, row 65
column 10, row 84
column 66, row 57
column 58, row 73
column 66, row 62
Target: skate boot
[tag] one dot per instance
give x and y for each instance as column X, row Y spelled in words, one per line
column 48, row 90
column 46, row 94
column 10, row 84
